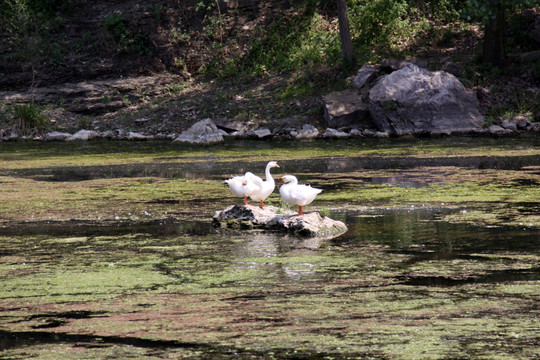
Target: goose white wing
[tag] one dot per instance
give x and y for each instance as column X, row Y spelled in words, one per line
column 302, row 194
column 249, row 176
column 235, row 184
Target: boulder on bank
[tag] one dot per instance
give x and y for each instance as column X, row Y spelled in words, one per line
column 240, row 217
column 417, row 101
column 409, row 100
column 202, row 132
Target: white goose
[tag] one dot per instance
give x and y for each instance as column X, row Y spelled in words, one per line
column 295, row 194
column 244, row 186
column 267, row 186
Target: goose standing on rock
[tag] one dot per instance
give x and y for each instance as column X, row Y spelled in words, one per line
column 293, row 193
column 266, row 187
column 245, row 186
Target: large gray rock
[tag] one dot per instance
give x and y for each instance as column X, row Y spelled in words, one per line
column 202, row 132
column 252, row 217
column 414, row 101
column 344, row 109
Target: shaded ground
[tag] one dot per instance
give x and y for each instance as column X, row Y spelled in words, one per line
column 87, row 77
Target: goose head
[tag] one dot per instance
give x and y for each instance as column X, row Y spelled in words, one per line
column 288, row 179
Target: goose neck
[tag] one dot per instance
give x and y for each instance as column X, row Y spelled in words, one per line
column 268, row 175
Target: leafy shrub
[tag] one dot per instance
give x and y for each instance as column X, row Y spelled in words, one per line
column 378, row 22
column 50, row 7
column 291, row 44
column 28, row 118
column 117, row 26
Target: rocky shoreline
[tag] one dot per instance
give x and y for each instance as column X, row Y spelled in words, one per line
column 216, row 134
column 391, row 99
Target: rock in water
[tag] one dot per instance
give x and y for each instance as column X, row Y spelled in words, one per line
column 253, row 217
column 313, row 225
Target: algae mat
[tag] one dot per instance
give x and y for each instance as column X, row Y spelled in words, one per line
column 107, row 251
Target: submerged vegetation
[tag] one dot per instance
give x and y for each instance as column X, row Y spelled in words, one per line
column 107, row 248
column 112, row 253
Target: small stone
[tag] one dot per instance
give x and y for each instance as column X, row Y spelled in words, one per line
column 136, row 136
column 524, row 124
column 497, row 130
column 509, row 124
column 57, row 136
column 83, row 135
column 308, row 131
column 334, row 133
column 262, row 133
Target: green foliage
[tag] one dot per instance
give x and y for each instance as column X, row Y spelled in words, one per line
column 441, row 10
column 28, row 118
column 291, row 43
column 325, row 211
column 520, row 39
column 50, row 7
column 30, row 24
column 304, row 40
column 127, row 42
column 19, row 17
column 484, row 10
column 158, row 12
column 15, row 16
column 377, row 22
column 201, row 6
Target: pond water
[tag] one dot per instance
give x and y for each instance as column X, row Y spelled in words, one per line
column 425, row 279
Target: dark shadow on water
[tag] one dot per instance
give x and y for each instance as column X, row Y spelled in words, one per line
column 19, row 338
column 218, row 170
column 206, row 351
column 500, row 276
column 422, row 232
column 162, row 227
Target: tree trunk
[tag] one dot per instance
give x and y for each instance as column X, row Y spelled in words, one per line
column 344, row 32
column 494, row 40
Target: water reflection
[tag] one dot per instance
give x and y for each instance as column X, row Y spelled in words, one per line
column 269, row 253
column 216, row 169
column 423, row 230
column 160, row 228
